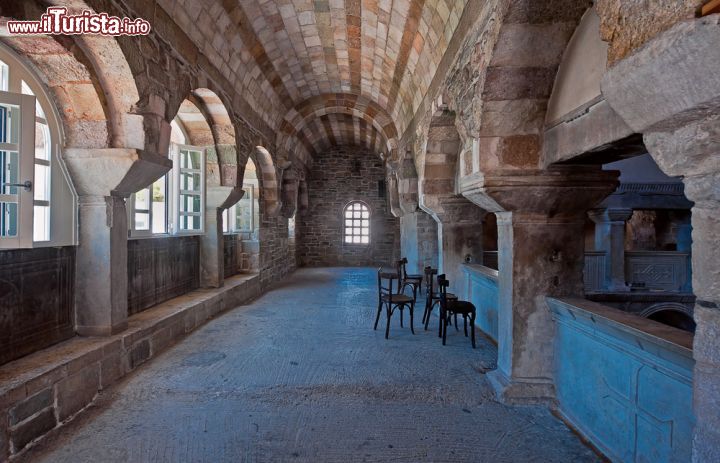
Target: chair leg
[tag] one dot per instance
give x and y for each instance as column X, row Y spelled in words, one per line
column 401, row 315
column 377, row 316
column 472, row 330
column 429, row 311
column 444, row 331
column 465, row 324
column 387, row 326
column 441, row 320
column 456, row 328
column 412, row 310
column 425, row 312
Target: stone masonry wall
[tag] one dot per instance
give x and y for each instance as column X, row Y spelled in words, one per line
column 339, row 176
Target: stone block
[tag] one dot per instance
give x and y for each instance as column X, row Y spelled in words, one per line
column 518, row 83
column 30, row 406
column 21, row 435
column 111, row 369
column 138, row 353
column 77, row 391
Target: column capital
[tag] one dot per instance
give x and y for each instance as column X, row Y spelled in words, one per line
column 610, row 215
column 560, row 191
column 113, row 171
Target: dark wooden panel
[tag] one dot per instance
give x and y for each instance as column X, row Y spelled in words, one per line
column 36, row 299
column 160, row 269
column 230, row 255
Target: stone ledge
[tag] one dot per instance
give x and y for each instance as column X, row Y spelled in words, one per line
column 46, row 389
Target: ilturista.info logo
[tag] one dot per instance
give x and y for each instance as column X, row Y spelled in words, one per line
column 57, row 21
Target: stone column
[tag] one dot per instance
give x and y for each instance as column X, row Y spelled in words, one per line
column 101, row 266
column 683, row 241
column 103, row 178
column 419, row 241
column 212, row 243
column 221, row 193
column 610, row 237
column 541, row 217
column 681, row 129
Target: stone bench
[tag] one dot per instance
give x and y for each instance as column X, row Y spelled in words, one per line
column 48, row 388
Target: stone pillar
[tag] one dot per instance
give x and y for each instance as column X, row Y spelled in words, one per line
column 683, row 240
column 212, row 243
column 103, row 178
column 681, row 129
column 541, row 217
column 419, row 241
column 101, row 262
column 610, row 237
column 221, row 193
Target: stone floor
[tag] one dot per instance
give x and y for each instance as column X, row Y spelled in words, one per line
column 299, row 375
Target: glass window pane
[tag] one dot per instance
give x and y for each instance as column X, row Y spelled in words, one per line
column 365, row 223
column 9, row 160
column 365, row 215
column 190, row 159
column 365, row 240
column 190, row 203
column 348, row 214
column 41, row 223
column 159, row 206
column 142, row 199
column 41, row 186
column 42, row 141
column 8, row 219
column 142, row 221
column 348, row 231
column 9, row 124
column 356, row 239
column 190, row 181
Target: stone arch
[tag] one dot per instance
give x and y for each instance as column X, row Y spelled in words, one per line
column 360, row 107
column 268, row 179
column 671, row 313
column 580, row 126
column 518, row 81
column 91, row 82
column 92, row 87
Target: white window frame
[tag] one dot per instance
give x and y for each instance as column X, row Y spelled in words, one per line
column 60, row 199
column 25, row 148
column 230, row 214
column 178, row 194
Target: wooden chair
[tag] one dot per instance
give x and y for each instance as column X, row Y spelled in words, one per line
column 432, row 297
column 414, row 281
column 392, row 300
column 450, row 308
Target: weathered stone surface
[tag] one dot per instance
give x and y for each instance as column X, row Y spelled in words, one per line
column 628, row 25
column 32, row 429
column 340, row 176
column 30, row 406
column 77, row 391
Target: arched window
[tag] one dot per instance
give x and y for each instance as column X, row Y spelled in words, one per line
column 357, row 223
column 35, row 195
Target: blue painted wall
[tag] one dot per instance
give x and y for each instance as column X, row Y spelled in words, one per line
column 481, row 288
column 628, row 392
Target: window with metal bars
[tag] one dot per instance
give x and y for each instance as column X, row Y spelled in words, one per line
column 357, row 223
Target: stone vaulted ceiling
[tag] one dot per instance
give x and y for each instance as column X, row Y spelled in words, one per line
column 325, row 72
